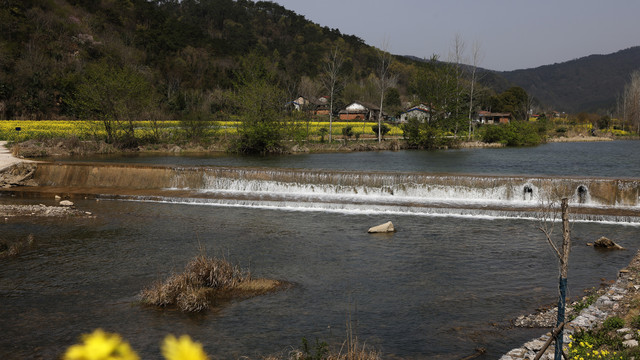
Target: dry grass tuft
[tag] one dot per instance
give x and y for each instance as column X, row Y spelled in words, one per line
column 12, row 250
column 194, row 299
column 214, row 273
column 204, row 280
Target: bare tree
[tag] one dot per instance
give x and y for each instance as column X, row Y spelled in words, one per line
column 330, row 79
column 385, row 79
column 631, row 101
column 476, row 58
column 456, row 57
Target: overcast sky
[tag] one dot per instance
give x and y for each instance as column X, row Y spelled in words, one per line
column 513, row 34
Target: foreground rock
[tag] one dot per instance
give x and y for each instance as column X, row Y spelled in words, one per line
column 605, row 243
column 66, row 203
column 20, row 174
column 383, row 228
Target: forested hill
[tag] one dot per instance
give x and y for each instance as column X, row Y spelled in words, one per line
column 590, row 83
column 185, row 49
column 183, row 57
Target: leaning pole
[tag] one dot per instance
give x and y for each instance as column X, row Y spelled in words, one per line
column 562, row 285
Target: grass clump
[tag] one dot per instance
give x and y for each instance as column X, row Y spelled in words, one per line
column 205, row 280
column 14, row 249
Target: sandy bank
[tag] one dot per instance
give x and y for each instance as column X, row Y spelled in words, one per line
column 579, row 139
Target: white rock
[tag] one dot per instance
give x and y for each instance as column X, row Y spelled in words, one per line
column 66, row 203
column 383, row 228
column 57, row 197
column 630, row 343
column 534, row 345
column 623, row 331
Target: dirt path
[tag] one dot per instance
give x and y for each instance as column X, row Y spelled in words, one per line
column 6, row 158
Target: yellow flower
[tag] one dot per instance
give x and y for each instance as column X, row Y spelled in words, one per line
column 101, row 346
column 182, row 349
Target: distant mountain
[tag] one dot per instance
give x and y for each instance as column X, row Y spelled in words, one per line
column 590, row 83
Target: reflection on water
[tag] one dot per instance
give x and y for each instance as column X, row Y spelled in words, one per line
column 432, row 289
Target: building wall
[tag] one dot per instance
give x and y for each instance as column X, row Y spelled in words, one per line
column 351, row 116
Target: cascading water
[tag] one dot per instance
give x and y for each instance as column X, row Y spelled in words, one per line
column 347, row 191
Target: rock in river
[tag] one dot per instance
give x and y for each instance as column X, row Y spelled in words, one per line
column 606, row 243
column 383, row 228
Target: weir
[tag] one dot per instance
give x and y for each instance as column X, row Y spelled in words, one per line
column 295, row 186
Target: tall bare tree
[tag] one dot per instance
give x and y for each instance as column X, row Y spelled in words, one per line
column 476, row 58
column 631, row 101
column 385, row 79
column 456, row 58
column 331, row 80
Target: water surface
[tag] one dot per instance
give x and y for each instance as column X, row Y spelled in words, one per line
column 618, row 159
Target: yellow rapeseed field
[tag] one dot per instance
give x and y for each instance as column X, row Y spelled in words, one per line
column 87, row 129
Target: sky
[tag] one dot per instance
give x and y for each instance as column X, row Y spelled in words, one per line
column 510, row 34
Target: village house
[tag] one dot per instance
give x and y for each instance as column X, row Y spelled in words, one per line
column 322, row 106
column 487, row 117
column 312, row 106
column 360, row 111
column 299, row 104
column 420, row 112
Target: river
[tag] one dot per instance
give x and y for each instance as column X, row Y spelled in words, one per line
column 443, row 285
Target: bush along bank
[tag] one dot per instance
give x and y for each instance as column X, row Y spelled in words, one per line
column 609, row 328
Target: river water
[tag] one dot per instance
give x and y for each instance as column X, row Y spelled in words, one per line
column 618, row 159
column 440, row 287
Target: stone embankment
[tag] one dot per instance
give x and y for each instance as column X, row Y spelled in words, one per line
column 616, row 301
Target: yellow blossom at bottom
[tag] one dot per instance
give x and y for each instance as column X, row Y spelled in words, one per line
column 182, row 349
column 100, row 345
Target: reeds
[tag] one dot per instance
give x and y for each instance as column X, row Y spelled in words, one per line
column 204, row 279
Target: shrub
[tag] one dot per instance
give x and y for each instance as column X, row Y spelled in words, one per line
column 192, row 289
column 322, row 131
column 425, row 135
column 383, row 129
column 515, row 133
column 347, row 132
column 613, row 323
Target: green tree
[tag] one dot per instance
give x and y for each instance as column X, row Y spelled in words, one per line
column 116, row 96
column 259, row 102
column 516, row 133
column 426, row 135
column 380, row 130
column 514, row 100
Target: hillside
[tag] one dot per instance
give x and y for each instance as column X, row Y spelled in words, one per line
column 590, row 83
column 184, row 50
